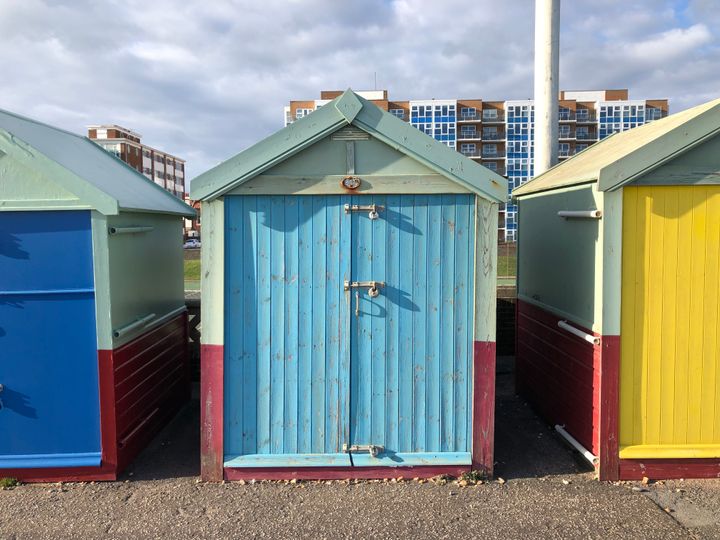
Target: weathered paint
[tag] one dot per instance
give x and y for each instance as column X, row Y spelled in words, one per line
column 101, row 268
column 669, row 384
column 483, row 413
column 145, row 270
column 609, row 409
column 560, row 260
column 343, row 473
column 303, row 248
column 668, row 469
column 211, row 413
column 308, row 131
column 212, row 281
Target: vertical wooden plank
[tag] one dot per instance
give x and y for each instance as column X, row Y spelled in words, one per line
column 234, row 324
column 345, row 254
column 405, row 356
column 432, row 324
column 641, row 321
column 211, row 386
column 484, row 331
column 470, row 321
column 291, row 307
column 668, row 321
column 447, row 368
column 397, row 296
column 318, row 322
column 333, row 429
column 714, row 209
column 376, row 314
column 684, row 318
column 697, row 327
column 655, row 276
column 708, row 405
column 462, row 352
column 419, row 345
column 306, row 266
column 277, row 322
column 630, row 254
column 264, row 298
column 249, row 246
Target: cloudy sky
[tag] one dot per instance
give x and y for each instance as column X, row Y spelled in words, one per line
column 205, row 79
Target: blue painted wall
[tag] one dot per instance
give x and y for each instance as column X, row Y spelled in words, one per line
column 48, row 346
column 303, row 373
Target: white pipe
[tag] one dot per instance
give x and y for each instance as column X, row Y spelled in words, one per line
column 579, row 333
column 133, row 325
column 587, row 454
column 547, row 89
column 129, row 230
column 590, row 214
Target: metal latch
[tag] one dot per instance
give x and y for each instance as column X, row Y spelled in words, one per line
column 374, row 449
column 373, row 287
column 371, row 209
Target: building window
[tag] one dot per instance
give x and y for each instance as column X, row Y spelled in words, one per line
column 468, row 132
column 300, row 113
column 490, row 114
column 582, row 115
column 564, row 131
column 468, row 149
column 492, row 165
column 489, row 149
column 580, row 147
column 468, row 113
column 564, row 149
column 565, row 114
column 399, row 113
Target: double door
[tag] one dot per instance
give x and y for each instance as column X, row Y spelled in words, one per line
column 348, row 327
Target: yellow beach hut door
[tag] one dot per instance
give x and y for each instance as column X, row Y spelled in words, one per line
column 670, row 335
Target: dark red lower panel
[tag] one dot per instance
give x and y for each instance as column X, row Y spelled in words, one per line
column 608, row 468
column 668, row 469
column 559, row 373
column 142, row 385
column 483, row 438
column 342, row 473
column 211, row 412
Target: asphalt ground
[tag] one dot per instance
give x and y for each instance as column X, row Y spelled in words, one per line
column 542, row 490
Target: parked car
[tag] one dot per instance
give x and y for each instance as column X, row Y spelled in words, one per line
column 192, row 243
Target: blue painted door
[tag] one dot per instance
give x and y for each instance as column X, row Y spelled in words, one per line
column 310, row 367
column 411, row 345
column 50, row 415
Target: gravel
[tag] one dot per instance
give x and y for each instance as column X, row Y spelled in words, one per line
column 546, row 492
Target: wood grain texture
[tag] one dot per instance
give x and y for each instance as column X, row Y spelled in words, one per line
column 211, row 413
column 343, row 473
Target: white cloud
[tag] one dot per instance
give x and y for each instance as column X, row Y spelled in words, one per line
column 207, row 79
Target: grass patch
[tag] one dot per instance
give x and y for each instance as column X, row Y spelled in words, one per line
column 192, row 270
column 507, row 265
column 8, row 483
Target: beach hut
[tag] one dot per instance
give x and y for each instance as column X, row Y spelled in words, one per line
column 618, row 292
column 92, row 316
column 348, row 299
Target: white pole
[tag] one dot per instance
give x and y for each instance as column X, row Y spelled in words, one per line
column 547, row 90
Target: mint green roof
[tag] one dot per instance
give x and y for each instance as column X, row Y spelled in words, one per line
column 98, row 178
column 626, row 156
column 349, row 109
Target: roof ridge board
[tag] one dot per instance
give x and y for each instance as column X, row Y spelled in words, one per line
column 40, row 123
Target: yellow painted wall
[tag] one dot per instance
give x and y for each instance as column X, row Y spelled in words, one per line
column 670, row 319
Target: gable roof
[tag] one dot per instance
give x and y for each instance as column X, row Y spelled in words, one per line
column 349, row 109
column 625, row 156
column 85, row 169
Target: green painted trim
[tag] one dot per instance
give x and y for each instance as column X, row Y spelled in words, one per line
column 485, row 309
column 330, row 185
column 554, row 191
column 348, row 105
column 101, row 269
column 30, row 157
column 212, row 277
column 610, row 296
column 40, row 205
column 658, row 152
column 267, row 153
column 394, row 132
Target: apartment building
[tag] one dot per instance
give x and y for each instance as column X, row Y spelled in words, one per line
column 162, row 168
column 499, row 134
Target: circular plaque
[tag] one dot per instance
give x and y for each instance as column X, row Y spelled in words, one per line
column 350, row 182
